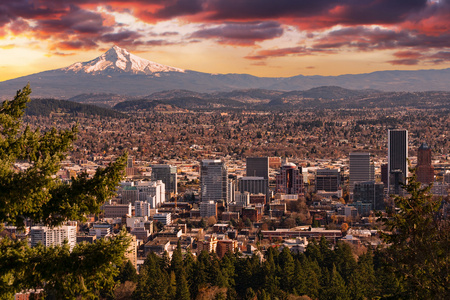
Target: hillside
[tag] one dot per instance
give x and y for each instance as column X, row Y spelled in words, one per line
column 45, row 107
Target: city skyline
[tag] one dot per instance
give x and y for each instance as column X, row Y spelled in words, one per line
column 262, row 38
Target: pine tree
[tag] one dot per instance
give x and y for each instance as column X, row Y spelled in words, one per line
column 336, row 288
column 35, row 194
column 287, row 268
column 419, row 243
column 182, row 289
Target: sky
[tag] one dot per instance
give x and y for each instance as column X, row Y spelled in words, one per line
column 274, row 38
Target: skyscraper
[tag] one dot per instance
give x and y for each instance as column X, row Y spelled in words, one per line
column 213, row 180
column 290, row 179
column 424, row 169
column 258, row 167
column 397, row 159
column 361, row 168
column 328, row 180
column 168, row 175
column 369, row 192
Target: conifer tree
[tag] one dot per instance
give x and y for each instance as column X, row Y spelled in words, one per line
column 35, row 194
column 419, row 243
column 182, row 289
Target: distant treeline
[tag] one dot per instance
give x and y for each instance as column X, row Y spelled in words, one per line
column 45, row 107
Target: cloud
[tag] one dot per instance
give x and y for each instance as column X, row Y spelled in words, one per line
column 241, row 33
column 76, row 20
column 420, row 26
column 406, row 61
column 263, row 54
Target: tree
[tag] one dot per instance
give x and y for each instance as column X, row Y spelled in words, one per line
column 182, row 288
column 419, row 243
column 36, row 195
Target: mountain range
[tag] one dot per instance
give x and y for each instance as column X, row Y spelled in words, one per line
column 126, row 75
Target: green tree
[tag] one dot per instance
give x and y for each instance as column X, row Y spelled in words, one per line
column 127, row 273
column 419, row 242
column 287, row 269
column 182, row 288
column 35, row 194
column 336, row 288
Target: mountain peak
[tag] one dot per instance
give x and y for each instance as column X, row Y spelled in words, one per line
column 117, row 59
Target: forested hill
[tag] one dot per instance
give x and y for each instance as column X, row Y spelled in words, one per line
column 45, row 107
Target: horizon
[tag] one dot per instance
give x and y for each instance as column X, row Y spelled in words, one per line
column 259, row 38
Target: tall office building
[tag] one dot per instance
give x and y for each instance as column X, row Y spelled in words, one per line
column 361, row 168
column 258, row 167
column 424, row 169
column 168, row 175
column 55, row 236
column 371, row 193
column 290, row 179
column 253, row 185
column 328, row 180
column 213, row 180
column 397, row 159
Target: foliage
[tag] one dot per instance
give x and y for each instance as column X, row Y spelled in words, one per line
column 419, row 243
column 36, row 195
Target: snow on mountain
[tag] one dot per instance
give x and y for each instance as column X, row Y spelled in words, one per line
column 118, row 59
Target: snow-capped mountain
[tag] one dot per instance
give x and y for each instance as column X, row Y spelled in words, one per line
column 117, row 59
column 119, row 72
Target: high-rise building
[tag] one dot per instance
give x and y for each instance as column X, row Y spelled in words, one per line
column 369, row 192
column 213, row 180
column 290, row 179
column 55, row 236
column 254, row 185
column 361, row 168
column 328, row 180
column 258, row 167
column 142, row 209
column 397, row 159
column 168, row 175
column 208, row 209
column 424, row 169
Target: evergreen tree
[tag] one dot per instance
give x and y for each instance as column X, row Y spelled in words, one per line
column 35, row 194
column 153, row 281
column 419, row 243
column 336, row 289
column 127, row 273
column 182, row 290
column 287, row 268
column 176, row 264
column 344, row 260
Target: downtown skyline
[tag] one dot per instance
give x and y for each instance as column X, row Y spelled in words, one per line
column 262, row 38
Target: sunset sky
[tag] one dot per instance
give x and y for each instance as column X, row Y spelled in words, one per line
column 260, row 37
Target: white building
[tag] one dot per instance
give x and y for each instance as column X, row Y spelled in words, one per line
column 54, row 236
column 142, row 209
column 100, row 230
column 153, row 192
column 164, row 218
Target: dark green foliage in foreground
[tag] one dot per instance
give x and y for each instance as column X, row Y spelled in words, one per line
column 35, row 194
column 419, row 251
column 44, row 107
